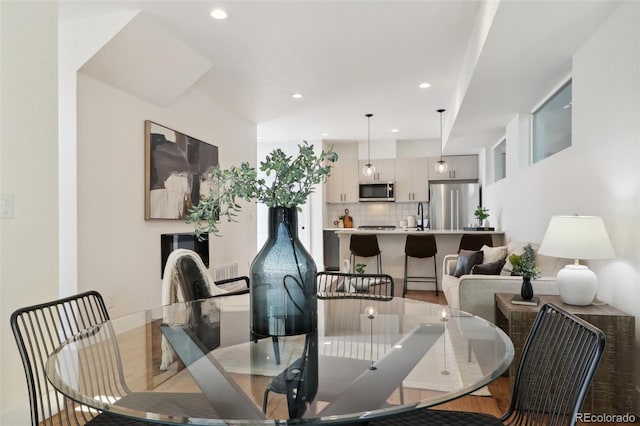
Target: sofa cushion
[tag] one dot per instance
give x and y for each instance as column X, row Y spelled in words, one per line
column 493, row 268
column 466, row 260
column 493, row 254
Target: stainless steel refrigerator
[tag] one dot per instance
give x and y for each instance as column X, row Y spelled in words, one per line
column 451, row 204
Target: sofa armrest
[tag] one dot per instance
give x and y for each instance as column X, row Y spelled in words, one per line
column 477, row 292
column 449, row 264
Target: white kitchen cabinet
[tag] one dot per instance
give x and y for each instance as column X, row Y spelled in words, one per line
column 412, row 179
column 342, row 184
column 385, row 170
column 461, row 167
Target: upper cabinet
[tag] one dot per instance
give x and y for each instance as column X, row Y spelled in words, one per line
column 342, row 184
column 461, row 167
column 412, row 179
column 385, row 170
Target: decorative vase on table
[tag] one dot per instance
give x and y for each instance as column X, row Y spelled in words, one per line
column 526, row 291
column 283, row 290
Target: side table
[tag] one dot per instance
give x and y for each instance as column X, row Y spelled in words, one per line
column 612, row 390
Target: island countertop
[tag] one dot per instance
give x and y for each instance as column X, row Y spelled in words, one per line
column 392, row 241
column 401, row 231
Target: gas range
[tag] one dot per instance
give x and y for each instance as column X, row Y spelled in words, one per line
column 377, row 227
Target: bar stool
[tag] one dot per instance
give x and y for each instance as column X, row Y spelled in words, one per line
column 475, row 241
column 421, row 247
column 365, row 245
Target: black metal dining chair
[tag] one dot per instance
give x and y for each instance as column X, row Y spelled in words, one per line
column 558, row 362
column 234, row 284
column 331, row 285
column 40, row 329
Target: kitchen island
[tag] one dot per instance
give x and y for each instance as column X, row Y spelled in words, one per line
column 391, row 244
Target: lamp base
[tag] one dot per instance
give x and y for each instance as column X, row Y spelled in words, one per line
column 577, row 285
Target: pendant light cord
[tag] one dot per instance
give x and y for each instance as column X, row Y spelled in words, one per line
column 441, row 140
column 369, row 138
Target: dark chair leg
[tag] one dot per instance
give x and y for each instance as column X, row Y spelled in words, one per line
column 435, row 272
column 276, row 349
column 265, row 398
column 404, row 284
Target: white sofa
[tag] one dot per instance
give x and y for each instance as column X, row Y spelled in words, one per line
column 475, row 293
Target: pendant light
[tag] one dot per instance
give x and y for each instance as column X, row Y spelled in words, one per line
column 441, row 165
column 368, row 169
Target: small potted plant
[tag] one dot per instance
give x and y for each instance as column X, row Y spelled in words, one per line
column 359, row 281
column 525, row 265
column 481, row 214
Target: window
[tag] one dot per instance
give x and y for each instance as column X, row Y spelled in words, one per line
column 551, row 124
column 500, row 160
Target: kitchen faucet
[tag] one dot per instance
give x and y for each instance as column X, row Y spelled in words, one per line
column 421, row 213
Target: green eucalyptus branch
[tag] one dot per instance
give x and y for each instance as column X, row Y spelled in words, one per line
column 289, row 182
column 525, row 264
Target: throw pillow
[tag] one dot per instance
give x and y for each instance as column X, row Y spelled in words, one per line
column 494, row 254
column 492, row 268
column 466, row 260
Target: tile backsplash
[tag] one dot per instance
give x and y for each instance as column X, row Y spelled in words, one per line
column 374, row 213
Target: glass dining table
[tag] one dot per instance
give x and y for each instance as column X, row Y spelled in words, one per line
column 198, row 363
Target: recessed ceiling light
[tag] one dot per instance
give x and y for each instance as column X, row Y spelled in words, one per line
column 325, row 134
column 424, row 85
column 395, row 130
column 218, row 14
column 297, row 95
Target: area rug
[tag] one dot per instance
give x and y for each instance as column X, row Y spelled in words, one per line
column 443, row 367
column 426, row 375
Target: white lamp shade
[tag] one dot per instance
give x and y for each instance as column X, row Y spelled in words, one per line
column 576, row 237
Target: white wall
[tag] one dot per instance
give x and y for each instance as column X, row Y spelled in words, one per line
column 29, row 173
column 599, row 173
column 118, row 251
column 74, row 52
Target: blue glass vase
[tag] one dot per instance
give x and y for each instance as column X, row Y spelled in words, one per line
column 283, row 291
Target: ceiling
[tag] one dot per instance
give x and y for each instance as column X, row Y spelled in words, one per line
column 349, row 58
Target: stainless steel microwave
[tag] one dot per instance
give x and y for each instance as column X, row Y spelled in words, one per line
column 377, row 191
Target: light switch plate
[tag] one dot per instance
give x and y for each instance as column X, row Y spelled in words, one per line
column 6, row 207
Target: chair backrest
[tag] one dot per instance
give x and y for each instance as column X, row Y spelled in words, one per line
column 420, row 246
column 558, row 362
column 186, row 278
column 194, row 282
column 475, row 241
column 330, row 285
column 364, row 245
column 39, row 330
column 233, row 284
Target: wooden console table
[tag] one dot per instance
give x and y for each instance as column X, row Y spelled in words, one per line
column 613, row 388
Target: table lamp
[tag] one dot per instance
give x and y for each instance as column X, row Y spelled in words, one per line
column 577, row 237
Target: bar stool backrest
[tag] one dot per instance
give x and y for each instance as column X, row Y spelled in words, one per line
column 420, row 246
column 475, row 241
column 364, row 245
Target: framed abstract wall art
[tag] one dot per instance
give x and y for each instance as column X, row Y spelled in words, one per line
column 175, row 171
